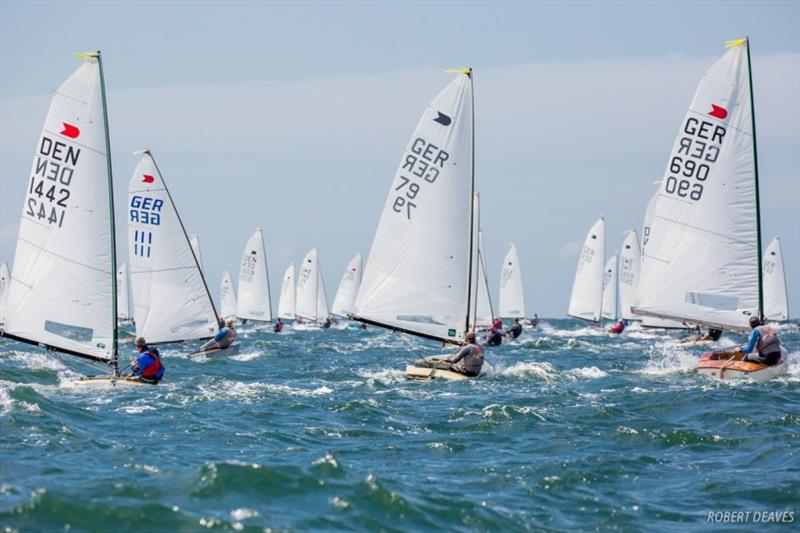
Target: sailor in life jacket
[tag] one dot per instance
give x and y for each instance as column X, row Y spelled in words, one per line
column 766, row 343
column 223, row 338
column 147, row 366
column 469, row 360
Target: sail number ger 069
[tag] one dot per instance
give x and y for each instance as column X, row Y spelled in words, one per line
column 693, row 158
column 420, row 165
column 48, row 190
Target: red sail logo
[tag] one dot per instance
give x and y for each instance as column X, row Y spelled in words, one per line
column 70, row 131
column 148, row 178
column 718, row 112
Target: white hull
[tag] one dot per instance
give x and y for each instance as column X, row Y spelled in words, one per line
column 109, row 381
column 423, row 372
column 220, row 352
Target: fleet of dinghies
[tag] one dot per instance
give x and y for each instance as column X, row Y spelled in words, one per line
column 699, row 262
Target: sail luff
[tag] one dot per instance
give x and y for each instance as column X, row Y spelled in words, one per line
column 758, row 200
column 472, row 215
column 115, row 338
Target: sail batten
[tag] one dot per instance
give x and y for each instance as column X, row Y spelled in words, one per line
column 419, row 273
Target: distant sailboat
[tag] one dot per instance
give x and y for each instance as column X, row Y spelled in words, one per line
column 630, row 261
column 776, row 301
column 254, row 302
column 227, row 296
column 703, row 264
column 123, row 294
column 312, row 303
column 4, row 281
column 344, row 302
column 484, row 314
column 287, row 302
column 422, row 267
column 194, row 240
column 171, row 300
column 512, row 301
column 62, row 294
column 609, row 307
column 586, row 301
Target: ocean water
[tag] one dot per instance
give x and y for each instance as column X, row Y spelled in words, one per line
column 314, row 431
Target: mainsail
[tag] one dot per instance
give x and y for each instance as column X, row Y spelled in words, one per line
column 194, row 240
column 123, row 294
column 419, row 275
column 776, row 301
column 512, row 302
column 587, row 289
column 171, row 301
column 484, row 314
column 62, row 293
column 610, row 289
column 630, row 261
column 702, row 262
column 227, row 296
column 286, row 304
column 254, row 302
column 312, row 303
column 345, row 300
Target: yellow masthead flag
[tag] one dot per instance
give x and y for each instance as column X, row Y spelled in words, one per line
column 735, row 42
column 86, row 56
column 460, row 70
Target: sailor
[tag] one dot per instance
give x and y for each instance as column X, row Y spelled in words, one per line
column 515, row 330
column 713, row 335
column 221, row 322
column 147, row 366
column 617, row 328
column 535, row 320
column 223, row 338
column 766, row 343
column 278, row 327
column 327, row 323
column 494, row 338
column 469, row 360
column 497, row 324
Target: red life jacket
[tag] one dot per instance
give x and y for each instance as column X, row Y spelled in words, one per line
column 154, row 368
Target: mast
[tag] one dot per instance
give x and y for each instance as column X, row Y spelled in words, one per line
column 468, row 72
column 114, row 340
column 477, row 216
column 186, row 236
column 758, row 199
column 266, row 272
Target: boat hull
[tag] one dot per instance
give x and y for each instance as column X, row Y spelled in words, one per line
column 720, row 366
column 110, row 381
column 430, row 370
column 233, row 349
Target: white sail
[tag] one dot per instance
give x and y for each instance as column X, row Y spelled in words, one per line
column 419, row 273
column 311, row 304
column 4, row 280
column 123, row 294
column 512, row 302
column 286, row 304
column 701, row 261
column 662, row 323
column 609, row 309
column 62, row 288
column 630, row 261
column 171, row 301
column 194, row 240
column 587, row 289
column 484, row 314
column 254, row 302
column 227, row 296
column 345, row 300
column 776, row 301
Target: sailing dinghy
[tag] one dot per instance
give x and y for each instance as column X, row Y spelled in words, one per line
column 484, row 312
column 62, row 292
column 586, row 301
column 703, row 264
column 422, row 268
column 254, row 302
column 311, row 308
column 630, row 261
column 227, row 296
column 609, row 306
column 511, row 303
column 776, row 300
column 287, row 301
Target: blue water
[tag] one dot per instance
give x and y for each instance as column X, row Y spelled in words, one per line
column 574, row 430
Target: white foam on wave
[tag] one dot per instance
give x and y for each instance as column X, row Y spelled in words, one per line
column 536, row 369
column 591, row 372
column 252, row 392
column 35, row 360
column 666, row 358
column 385, row 376
column 247, row 356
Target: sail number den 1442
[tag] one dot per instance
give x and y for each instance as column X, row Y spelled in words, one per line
column 421, row 164
column 48, row 190
column 694, row 156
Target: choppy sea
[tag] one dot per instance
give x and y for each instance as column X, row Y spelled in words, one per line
column 574, row 429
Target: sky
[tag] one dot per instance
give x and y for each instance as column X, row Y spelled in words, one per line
column 293, row 116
